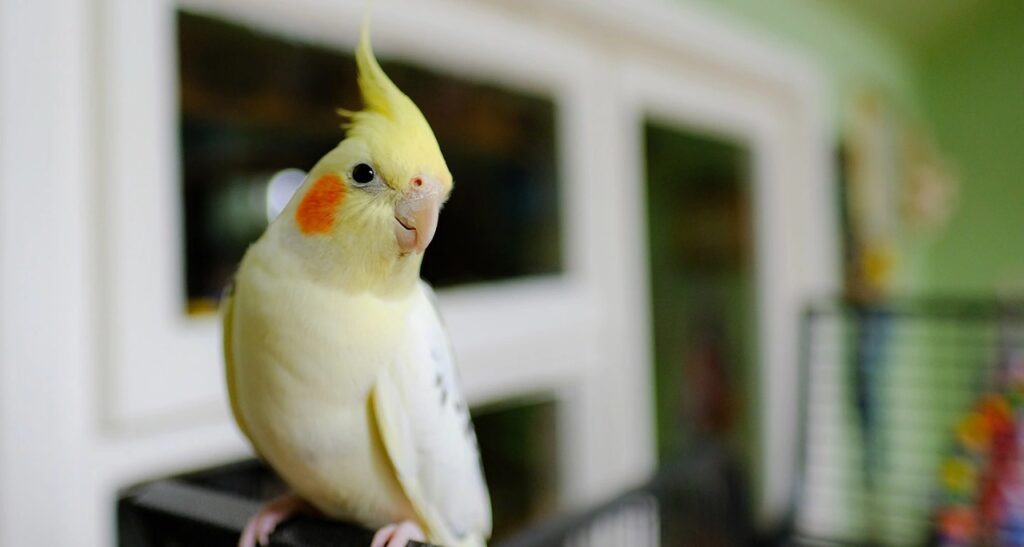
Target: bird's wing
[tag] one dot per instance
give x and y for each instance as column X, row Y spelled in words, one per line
column 227, row 315
column 426, row 429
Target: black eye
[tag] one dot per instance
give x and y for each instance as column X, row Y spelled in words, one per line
column 363, row 174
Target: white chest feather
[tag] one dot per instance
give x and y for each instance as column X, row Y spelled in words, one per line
column 355, row 401
column 306, row 358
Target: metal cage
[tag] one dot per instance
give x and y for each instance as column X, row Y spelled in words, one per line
column 885, row 391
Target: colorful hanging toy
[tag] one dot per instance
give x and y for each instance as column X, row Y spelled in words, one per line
column 982, row 487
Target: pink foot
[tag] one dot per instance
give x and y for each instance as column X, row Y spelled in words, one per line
column 398, row 535
column 262, row 524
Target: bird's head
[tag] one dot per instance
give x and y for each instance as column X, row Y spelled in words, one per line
column 368, row 209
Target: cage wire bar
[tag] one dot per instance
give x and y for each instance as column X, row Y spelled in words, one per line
column 883, row 390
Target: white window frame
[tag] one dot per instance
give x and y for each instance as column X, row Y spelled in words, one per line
column 513, row 339
column 785, row 204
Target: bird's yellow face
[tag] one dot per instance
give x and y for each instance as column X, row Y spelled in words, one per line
column 374, row 200
column 382, row 199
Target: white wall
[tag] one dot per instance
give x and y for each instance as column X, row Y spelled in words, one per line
column 46, row 327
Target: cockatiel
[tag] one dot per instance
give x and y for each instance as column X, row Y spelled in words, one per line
column 338, row 368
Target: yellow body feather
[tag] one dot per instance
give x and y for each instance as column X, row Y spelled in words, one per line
column 334, row 352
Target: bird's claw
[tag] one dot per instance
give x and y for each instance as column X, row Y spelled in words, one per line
column 398, row 535
column 262, row 524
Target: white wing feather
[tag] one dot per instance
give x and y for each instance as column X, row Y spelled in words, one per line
column 426, row 429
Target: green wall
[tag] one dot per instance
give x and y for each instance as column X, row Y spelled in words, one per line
column 974, row 96
column 967, row 90
column 848, row 52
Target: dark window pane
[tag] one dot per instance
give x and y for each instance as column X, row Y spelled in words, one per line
column 702, row 283
column 254, row 105
column 519, row 453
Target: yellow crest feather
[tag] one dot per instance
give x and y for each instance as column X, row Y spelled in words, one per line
column 379, row 92
column 390, row 122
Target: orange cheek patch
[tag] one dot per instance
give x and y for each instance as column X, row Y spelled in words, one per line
column 320, row 205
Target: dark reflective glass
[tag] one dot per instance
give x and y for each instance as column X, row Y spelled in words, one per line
column 519, row 453
column 253, row 105
column 702, row 282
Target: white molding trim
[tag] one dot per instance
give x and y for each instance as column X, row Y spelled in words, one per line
column 47, row 327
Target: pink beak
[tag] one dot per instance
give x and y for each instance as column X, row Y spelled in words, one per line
column 416, row 215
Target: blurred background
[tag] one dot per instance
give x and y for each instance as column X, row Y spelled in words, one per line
column 782, row 241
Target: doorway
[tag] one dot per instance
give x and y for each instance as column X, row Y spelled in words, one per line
column 703, row 294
